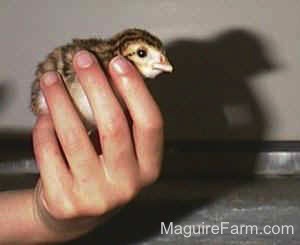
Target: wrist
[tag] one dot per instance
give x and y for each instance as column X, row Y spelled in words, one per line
column 59, row 229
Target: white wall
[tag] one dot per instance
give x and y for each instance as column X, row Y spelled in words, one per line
column 266, row 98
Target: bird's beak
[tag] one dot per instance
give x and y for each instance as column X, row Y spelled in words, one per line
column 163, row 65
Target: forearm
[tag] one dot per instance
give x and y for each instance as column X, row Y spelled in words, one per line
column 19, row 222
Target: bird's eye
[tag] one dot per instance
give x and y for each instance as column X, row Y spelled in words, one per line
column 142, row 53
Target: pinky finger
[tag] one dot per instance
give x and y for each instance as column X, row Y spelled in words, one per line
column 53, row 170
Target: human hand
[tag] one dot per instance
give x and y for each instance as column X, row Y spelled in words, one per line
column 76, row 184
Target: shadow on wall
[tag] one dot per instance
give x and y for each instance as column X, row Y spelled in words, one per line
column 14, row 144
column 6, row 94
column 209, row 95
column 207, row 99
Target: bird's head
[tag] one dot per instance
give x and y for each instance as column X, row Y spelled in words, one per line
column 149, row 60
column 145, row 51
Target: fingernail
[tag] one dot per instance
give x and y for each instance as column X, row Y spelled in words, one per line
column 49, row 78
column 83, row 59
column 120, row 65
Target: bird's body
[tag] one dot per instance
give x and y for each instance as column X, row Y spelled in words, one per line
column 143, row 49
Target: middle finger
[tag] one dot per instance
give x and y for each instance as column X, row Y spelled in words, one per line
column 115, row 137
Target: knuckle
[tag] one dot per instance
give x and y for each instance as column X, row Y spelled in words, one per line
column 63, row 213
column 92, row 203
column 154, row 124
column 35, row 137
column 72, row 142
column 35, row 130
column 70, row 139
column 129, row 191
column 41, row 143
column 150, row 176
column 96, row 206
column 115, row 127
column 40, row 126
column 62, row 208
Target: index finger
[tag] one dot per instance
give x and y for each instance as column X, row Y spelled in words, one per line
column 146, row 116
column 78, row 149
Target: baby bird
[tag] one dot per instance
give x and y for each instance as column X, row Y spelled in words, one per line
column 140, row 47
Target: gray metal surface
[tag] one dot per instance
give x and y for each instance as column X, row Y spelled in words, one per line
column 179, row 165
column 209, row 201
column 190, row 159
column 257, row 202
column 201, row 183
